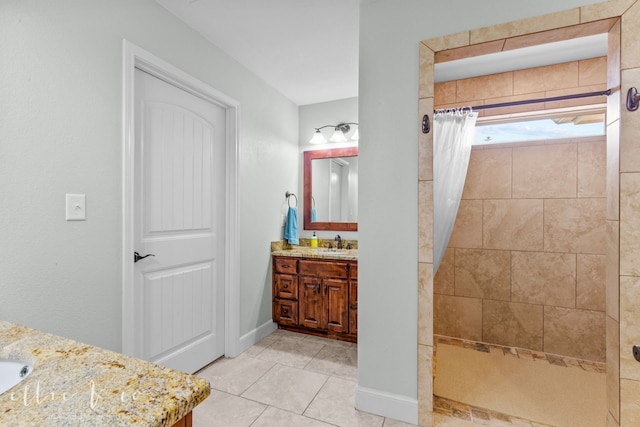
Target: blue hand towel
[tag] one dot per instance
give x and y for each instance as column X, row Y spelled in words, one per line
column 291, row 227
column 313, row 214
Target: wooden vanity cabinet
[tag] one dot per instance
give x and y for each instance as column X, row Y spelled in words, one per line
column 324, row 301
column 186, row 421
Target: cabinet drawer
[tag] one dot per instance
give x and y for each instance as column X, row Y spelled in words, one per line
column 286, row 265
column 324, row 268
column 286, row 286
column 285, row 312
column 353, row 270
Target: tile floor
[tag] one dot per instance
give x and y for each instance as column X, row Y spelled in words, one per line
column 287, row 379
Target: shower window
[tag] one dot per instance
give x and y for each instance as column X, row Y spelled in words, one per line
column 579, row 124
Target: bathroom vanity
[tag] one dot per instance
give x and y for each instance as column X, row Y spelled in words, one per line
column 315, row 291
column 78, row 384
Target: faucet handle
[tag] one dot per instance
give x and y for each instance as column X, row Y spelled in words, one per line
column 337, row 238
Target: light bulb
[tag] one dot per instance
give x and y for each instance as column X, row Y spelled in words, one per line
column 337, row 136
column 317, row 138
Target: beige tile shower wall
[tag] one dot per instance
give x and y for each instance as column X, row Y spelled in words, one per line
column 629, row 223
column 425, row 241
column 589, row 75
column 526, row 264
column 612, row 293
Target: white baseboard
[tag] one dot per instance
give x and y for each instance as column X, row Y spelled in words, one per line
column 387, row 405
column 254, row 336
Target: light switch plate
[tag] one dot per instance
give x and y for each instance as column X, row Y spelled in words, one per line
column 76, row 208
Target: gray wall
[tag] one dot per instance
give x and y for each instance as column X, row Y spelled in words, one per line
column 61, row 132
column 390, row 31
column 311, row 117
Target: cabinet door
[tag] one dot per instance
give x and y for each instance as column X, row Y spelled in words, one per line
column 311, row 302
column 337, row 304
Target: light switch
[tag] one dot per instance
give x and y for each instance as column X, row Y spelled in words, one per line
column 76, row 207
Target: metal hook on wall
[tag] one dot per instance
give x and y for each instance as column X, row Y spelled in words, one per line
column 633, row 99
column 426, row 126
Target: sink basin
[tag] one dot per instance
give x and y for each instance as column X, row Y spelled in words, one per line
column 12, row 372
column 335, row 252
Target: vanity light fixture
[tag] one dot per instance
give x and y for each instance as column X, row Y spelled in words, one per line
column 339, row 134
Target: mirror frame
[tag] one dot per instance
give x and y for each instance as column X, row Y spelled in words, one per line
column 307, row 191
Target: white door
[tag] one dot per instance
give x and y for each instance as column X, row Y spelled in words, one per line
column 179, row 218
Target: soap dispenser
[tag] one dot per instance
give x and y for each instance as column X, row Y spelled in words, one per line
column 314, row 240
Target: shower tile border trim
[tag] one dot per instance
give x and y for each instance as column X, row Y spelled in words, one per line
column 452, row 409
column 521, row 353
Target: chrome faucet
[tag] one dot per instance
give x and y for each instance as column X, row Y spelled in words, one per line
column 339, row 240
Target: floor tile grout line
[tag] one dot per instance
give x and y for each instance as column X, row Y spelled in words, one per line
column 266, row 404
column 316, row 395
column 261, row 376
column 266, row 407
column 291, row 367
column 314, row 356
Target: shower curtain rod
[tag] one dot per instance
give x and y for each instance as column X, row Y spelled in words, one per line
column 426, row 123
column 541, row 100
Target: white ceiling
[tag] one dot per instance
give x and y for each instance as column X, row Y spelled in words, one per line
column 308, row 49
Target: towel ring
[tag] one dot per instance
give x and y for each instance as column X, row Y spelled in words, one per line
column 289, row 194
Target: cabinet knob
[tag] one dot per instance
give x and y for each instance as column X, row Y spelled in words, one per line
column 285, row 286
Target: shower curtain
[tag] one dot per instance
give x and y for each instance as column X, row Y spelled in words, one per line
column 453, row 133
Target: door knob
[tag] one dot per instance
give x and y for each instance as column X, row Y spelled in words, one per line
column 137, row 257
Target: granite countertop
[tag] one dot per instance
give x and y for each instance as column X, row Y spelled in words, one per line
column 75, row 384
column 282, row 248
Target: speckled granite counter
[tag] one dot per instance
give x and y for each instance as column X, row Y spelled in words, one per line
column 75, row 384
column 304, row 250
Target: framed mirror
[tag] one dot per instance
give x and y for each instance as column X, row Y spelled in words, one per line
column 331, row 189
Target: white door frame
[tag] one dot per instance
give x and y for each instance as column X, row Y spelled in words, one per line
column 136, row 57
